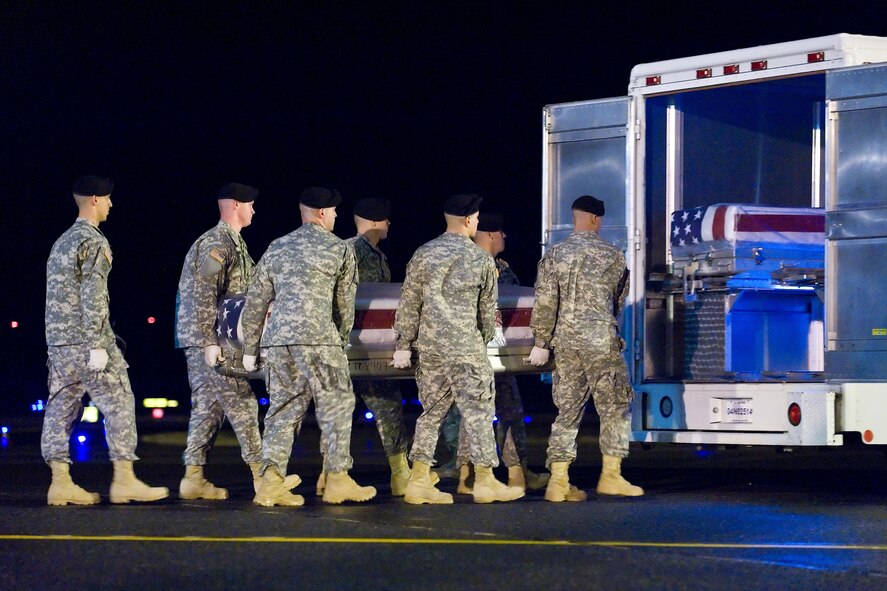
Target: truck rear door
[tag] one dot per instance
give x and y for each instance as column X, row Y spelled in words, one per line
column 856, row 224
column 584, row 153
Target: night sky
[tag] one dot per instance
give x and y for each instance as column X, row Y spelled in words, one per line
column 411, row 102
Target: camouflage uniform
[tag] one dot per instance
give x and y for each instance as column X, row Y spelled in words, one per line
column 218, row 263
column 77, row 320
column 382, row 397
column 311, row 275
column 448, row 312
column 511, row 435
column 581, row 287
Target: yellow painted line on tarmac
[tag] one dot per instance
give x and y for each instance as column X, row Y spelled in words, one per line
column 437, row 541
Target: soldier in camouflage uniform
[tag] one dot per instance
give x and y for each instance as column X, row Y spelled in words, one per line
column 83, row 354
column 580, row 289
column 511, row 435
column 382, row 397
column 217, row 264
column 447, row 311
column 311, row 276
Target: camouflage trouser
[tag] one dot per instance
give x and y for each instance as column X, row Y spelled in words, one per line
column 109, row 390
column 467, row 381
column 213, row 397
column 295, row 376
column 578, row 375
column 511, row 436
column 383, row 398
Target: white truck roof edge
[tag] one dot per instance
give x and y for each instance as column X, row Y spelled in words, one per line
column 842, row 50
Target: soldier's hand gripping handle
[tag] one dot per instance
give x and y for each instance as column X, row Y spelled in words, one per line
column 538, row 356
column 249, row 362
column 98, row 359
column 401, row 359
column 212, row 355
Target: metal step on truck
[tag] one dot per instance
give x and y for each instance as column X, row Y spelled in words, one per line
column 748, row 190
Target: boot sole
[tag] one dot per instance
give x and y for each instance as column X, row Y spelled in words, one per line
column 63, row 502
column 118, row 500
column 424, row 501
column 482, row 500
column 619, row 494
column 340, row 500
column 198, row 496
column 271, row 503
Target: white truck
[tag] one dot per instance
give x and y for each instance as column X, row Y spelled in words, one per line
column 748, row 190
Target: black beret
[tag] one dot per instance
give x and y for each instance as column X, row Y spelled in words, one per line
column 463, row 204
column 489, row 222
column 375, row 210
column 238, row 192
column 589, row 204
column 319, row 198
column 93, row 185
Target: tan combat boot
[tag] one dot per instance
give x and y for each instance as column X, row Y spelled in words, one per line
column 559, row 488
column 534, row 481
column 421, row 489
column 487, row 489
column 290, row 481
column 63, row 491
column 612, row 482
column 516, row 477
column 400, row 474
column 321, row 484
column 195, row 486
column 340, row 488
column 125, row 487
column 466, row 480
column 273, row 492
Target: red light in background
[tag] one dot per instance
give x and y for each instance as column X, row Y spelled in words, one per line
column 13, row 324
column 151, row 320
column 157, row 413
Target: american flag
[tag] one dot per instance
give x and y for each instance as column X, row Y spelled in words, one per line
column 781, row 225
column 228, row 327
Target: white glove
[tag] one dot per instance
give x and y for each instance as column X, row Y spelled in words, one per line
column 402, row 359
column 98, row 359
column 213, row 356
column 249, row 362
column 538, row 356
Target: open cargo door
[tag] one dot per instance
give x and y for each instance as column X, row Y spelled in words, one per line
column 856, row 225
column 584, row 153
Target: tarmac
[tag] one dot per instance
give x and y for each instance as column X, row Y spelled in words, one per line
column 712, row 518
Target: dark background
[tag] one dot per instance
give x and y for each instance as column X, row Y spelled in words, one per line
column 411, row 102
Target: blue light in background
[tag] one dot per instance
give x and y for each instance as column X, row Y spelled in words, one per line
column 495, row 419
column 38, row 406
column 4, row 430
column 263, row 401
column 528, row 419
column 368, row 415
column 81, row 438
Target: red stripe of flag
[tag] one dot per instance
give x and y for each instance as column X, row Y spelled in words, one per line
column 516, row 317
column 717, row 226
column 370, row 319
column 383, row 318
column 780, row 223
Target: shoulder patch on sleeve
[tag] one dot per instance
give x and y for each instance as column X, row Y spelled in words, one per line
column 108, row 255
column 218, row 255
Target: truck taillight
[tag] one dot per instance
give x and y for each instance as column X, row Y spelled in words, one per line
column 816, row 56
column 653, row 80
column 703, row 73
column 731, row 69
column 759, row 65
column 794, row 414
